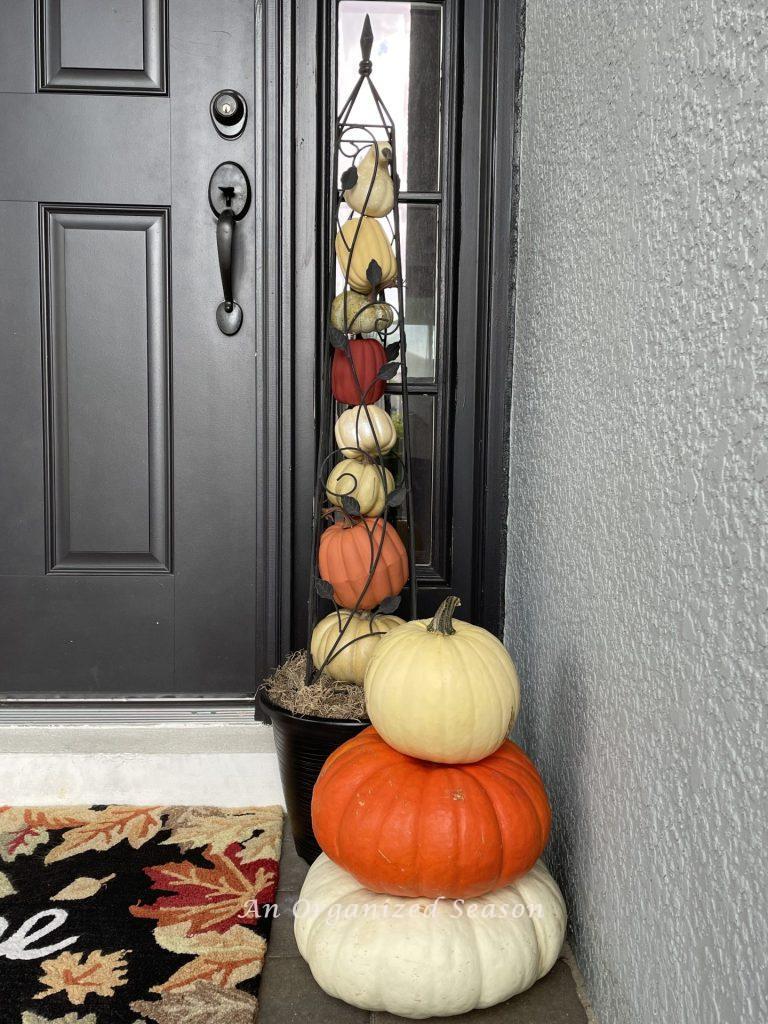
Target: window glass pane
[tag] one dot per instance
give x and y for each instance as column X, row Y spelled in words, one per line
column 419, row 231
column 422, row 409
column 406, row 55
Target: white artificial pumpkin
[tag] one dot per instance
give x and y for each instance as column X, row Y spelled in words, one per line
column 423, row 958
column 366, row 482
column 356, row 647
column 442, row 690
column 359, row 428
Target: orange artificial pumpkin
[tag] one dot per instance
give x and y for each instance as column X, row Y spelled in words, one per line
column 364, row 357
column 347, row 554
column 417, row 828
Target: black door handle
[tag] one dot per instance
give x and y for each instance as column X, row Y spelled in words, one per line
column 229, row 193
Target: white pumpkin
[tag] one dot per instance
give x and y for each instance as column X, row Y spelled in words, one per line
column 366, row 482
column 424, row 958
column 357, row 645
column 359, row 428
column 442, row 690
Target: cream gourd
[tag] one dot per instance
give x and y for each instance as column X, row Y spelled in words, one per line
column 363, row 239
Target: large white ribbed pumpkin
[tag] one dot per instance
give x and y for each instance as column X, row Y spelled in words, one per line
column 442, row 690
column 357, row 645
column 424, row 958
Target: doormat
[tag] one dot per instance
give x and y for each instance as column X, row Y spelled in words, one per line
column 135, row 915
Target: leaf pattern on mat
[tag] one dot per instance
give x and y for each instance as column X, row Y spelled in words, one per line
column 193, row 828
column 71, row 1018
column 204, row 1003
column 224, row 959
column 100, row 974
column 108, row 828
column 6, row 886
column 211, row 898
column 82, row 888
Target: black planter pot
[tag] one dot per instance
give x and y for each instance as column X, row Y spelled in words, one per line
column 303, row 744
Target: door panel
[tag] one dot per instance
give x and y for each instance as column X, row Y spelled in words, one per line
column 86, row 149
column 105, row 301
column 22, row 497
column 127, row 420
column 105, row 636
column 214, row 415
column 93, row 46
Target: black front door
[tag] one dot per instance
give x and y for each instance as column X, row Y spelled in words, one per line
column 128, row 460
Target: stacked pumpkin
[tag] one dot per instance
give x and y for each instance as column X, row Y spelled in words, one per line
column 361, row 558
column 430, row 898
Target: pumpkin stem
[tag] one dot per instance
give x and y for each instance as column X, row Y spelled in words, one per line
column 443, row 620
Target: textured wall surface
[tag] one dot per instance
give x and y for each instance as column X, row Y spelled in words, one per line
column 637, row 593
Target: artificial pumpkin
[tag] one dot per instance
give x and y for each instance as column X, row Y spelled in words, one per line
column 366, row 482
column 374, row 191
column 361, row 632
column 443, row 690
column 364, row 357
column 353, row 313
column 347, row 555
column 365, row 430
column 363, row 245
column 418, row 828
column 416, row 958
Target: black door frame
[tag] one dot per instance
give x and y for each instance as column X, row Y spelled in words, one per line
column 489, row 37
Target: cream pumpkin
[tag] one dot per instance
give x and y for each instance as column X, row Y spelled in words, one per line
column 357, row 645
column 366, row 482
column 359, row 428
column 422, row 958
column 364, row 240
column 442, row 690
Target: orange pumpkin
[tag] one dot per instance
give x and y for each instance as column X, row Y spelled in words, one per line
column 417, row 828
column 347, row 554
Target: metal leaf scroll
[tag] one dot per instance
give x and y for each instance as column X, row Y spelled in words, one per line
column 337, row 339
column 373, row 273
column 389, row 605
column 355, row 138
column 349, row 178
column 388, row 371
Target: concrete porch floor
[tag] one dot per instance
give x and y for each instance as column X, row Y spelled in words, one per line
column 229, row 766
column 289, row 994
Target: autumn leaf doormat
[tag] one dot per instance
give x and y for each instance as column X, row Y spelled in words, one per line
column 135, row 915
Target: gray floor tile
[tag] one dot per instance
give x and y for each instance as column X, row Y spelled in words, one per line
column 281, row 939
column 292, row 868
column 553, row 1000
column 290, row 995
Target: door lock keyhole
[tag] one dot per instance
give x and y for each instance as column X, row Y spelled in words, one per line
column 229, row 113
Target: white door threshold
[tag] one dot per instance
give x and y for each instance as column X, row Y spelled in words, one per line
column 217, row 765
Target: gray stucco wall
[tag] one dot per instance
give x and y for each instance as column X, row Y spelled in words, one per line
column 637, row 593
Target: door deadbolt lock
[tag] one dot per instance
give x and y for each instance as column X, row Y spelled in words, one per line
column 229, row 113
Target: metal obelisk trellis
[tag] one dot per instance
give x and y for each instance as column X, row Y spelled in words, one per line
column 353, row 139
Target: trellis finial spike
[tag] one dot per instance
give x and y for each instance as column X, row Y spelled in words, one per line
column 366, row 44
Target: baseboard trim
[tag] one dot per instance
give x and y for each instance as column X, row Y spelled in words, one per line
column 56, row 710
